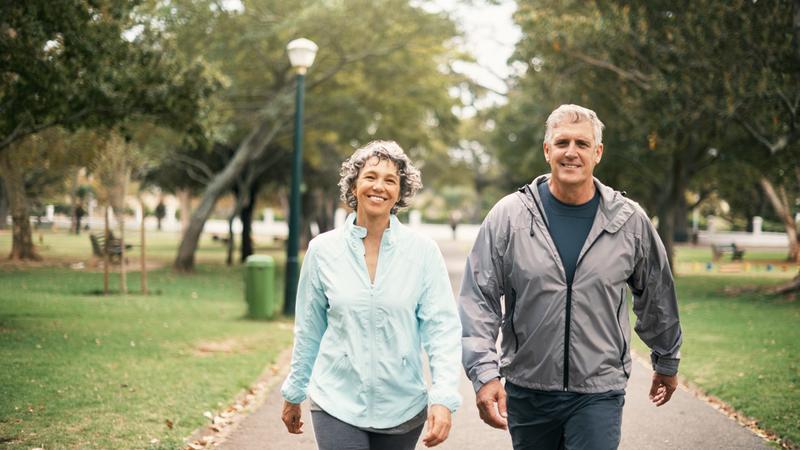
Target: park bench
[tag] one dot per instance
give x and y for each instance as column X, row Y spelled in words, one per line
column 718, row 250
column 114, row 246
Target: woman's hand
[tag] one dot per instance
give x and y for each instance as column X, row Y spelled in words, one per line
column 438, row 425
column 291, row 417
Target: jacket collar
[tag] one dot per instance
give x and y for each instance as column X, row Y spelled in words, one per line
column 355, row 233
column 614, row 208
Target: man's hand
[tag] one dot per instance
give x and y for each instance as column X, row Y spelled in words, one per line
column 438, row 425
column 291, row 417
column 662, row 388
column 491, row 401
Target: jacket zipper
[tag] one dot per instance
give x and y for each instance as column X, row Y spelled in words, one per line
column 566, row 335
column 567, row 318
column 622, row 333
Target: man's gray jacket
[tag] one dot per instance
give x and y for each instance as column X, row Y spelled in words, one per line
column 557, row 336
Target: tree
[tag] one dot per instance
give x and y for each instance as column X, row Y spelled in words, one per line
column 74, row 67
column 32, row 168
column 3, row 206
column 667, row 100
column 376, row 76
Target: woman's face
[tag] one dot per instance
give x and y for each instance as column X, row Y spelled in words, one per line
column 377, row 188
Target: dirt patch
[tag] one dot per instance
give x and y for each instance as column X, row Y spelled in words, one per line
column 208, row 348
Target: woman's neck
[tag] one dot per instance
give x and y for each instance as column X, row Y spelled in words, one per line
column 375, row 225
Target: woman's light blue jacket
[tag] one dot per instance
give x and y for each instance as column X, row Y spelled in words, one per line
column 358, row 345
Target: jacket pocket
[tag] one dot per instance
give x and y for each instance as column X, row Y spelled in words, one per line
column 412, row 369
column 624, row 345
column 508, row 319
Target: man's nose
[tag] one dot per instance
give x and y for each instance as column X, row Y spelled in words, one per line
column 572, row 149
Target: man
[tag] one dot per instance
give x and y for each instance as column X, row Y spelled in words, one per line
column 560, row 253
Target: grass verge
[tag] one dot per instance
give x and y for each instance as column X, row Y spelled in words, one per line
column 742, row 349
column 80, row 370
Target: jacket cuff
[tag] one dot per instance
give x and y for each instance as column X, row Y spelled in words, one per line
column 450, row 401
column 485, row 377
column 663, row 365
column 292, row 394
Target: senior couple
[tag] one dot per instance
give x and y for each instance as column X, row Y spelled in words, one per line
column 550, row 270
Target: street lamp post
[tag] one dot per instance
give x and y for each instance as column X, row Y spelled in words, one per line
column 301, row 55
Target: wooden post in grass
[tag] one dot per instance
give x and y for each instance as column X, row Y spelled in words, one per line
column 106, row 256
column 143, row 277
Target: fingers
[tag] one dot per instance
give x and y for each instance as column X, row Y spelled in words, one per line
column 662, row 388
column 438, row 425
column 654, row 387
column 501, row 404
column 491, row 402
column 291, row 417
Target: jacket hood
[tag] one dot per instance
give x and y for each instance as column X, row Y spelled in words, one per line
column 614, row 208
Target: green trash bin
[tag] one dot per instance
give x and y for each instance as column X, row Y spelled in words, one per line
column 259, row 286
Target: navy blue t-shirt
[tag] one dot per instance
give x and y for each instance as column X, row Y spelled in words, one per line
column 569, row 226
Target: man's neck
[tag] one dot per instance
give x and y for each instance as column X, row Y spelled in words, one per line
column 572, row 194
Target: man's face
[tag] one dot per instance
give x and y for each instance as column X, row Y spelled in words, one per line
column 572, row 154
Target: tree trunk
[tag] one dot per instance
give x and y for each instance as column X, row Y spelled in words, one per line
column 246, row 216
column 780, row 202
column 669, row 205
column 785, row 288
column 249, row 150
column 681, row 213
column 106, row 255
column 22, row 235
column 3, row 206
column 123, row 271
column 185, row 201
column 230, row 243
column 142, row 254
column 75, row 225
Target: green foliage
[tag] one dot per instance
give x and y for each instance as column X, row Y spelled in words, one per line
column 678, row 94
column 79, row 65
column 375, row 76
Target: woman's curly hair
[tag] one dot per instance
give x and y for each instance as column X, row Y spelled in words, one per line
column 410, row 176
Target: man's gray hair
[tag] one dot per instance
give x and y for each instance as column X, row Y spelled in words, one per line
column 574, row 114
column 410, row 176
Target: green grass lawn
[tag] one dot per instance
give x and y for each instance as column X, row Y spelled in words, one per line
column 80, row 370
column 742, row 349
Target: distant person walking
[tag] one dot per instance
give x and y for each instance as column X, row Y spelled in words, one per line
column 560, row 254
column 371, row 294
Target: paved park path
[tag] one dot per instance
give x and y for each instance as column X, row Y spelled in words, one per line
column 686, row 422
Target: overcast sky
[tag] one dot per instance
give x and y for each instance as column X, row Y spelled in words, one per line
column 490, row 36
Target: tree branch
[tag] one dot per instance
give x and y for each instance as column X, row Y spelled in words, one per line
column 19, row 132
column 192, row 163
column 635, row 76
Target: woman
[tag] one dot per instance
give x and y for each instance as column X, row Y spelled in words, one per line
column 371, row 293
